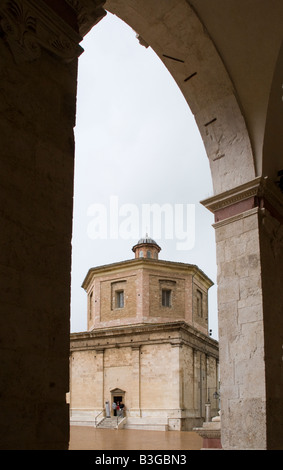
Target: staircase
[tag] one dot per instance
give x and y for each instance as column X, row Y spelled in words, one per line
column 108, row 423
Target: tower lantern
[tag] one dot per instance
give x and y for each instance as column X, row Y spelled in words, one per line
column 146, row 248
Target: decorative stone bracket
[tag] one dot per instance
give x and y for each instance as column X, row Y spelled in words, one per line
column 28, row 26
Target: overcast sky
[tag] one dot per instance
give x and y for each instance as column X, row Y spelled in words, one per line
column 137, row 144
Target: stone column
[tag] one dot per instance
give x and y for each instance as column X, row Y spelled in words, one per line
column 177, row 374
column 249, row 235
column 196, row 385
column 99, row 376
column 39, row 47
column 135, row 382
column 177, row 380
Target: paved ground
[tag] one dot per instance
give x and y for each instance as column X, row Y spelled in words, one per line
column 89, row 438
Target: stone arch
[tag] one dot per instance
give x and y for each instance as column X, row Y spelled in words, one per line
column 176, row 34
column 38, row 68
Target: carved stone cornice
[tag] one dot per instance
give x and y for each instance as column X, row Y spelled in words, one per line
column 28, row 26
column 135, row 336
column 261, row 193
column 233, row 196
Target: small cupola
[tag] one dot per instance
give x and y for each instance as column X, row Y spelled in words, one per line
column 146, row 248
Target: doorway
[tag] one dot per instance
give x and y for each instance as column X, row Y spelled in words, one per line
column 117, row 399
column 117, row 396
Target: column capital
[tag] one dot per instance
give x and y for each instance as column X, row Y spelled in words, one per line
column 89, row 13
column 260, row 193
column 28, row 26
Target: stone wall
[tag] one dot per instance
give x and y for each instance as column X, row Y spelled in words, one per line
column 176, row 285
column 241, row 323
column 249, row 257
column 164, row 371
column 108, row 289
column 37, row 109
column 142, row 282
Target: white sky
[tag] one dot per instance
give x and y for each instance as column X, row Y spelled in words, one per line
column 137, row 143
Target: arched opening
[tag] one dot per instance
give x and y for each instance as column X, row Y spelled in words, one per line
column 223, row 64
column 137, row 144
column 178, row 37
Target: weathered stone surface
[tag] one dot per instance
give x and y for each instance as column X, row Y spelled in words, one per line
column 215, row 52
column 164, row 370
column 37, row 107
column 249, row 305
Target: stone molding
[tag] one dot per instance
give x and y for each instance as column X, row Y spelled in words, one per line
column 145, row 263
column 259, row 193
column 176, row 334
column 232, row 196
column 230, row 220
column 28, row 26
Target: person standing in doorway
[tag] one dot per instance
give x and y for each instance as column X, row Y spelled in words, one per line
column 122, row 409
column 114, row 406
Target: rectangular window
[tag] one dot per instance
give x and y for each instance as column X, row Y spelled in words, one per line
column 166, row 297
column 119, row 299
column 199, row 304
column 90, row 305
column 118, row 290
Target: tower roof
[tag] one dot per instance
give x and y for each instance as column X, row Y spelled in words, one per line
column 146, row 242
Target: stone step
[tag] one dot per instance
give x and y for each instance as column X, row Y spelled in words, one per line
column 108, row 423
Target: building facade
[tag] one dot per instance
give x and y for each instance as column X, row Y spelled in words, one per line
column 147, row 344
column 230, row 73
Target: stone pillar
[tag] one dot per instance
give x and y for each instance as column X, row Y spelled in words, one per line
column 196, row 385
column 207, row 412
column 249, row 235
column 177, row 374
column 99, row 375
column 175, row 421
column 39, row 47
column 135, row 382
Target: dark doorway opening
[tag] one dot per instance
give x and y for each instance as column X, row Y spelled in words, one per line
column 117, row 399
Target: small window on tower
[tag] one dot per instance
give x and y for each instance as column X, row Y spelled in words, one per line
column 199, row 304
column 120, row 299
column 90, row 305
column 166, row 297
